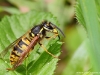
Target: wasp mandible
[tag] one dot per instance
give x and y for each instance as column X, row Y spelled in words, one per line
column 26, row 43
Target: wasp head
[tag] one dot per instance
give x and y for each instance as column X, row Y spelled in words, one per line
column 50, row 27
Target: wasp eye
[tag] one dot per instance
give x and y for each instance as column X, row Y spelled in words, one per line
column 44, row 23
column 50, row 27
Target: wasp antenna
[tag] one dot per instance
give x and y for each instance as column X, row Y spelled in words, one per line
column 59, row 30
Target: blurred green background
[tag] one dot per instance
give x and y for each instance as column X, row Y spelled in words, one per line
column 74, row 57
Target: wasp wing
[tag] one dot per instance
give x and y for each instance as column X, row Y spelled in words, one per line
column 4, row 52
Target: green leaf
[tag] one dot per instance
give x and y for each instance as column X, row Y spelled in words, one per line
column 78, row 63
column 26, row 4
column 38, row 62
column 87, row 15
column 10, row 10
column 79, row 15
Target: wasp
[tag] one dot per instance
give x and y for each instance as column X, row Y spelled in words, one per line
column 26, row 43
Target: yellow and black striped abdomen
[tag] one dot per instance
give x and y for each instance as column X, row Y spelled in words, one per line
column 20, row 47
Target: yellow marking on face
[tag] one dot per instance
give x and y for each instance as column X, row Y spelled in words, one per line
column 55, row 31
column 45, row 28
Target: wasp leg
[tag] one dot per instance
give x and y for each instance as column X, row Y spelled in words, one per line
column 47, row 50
column 47, row 37
column 10, row 69
column 54, row 36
